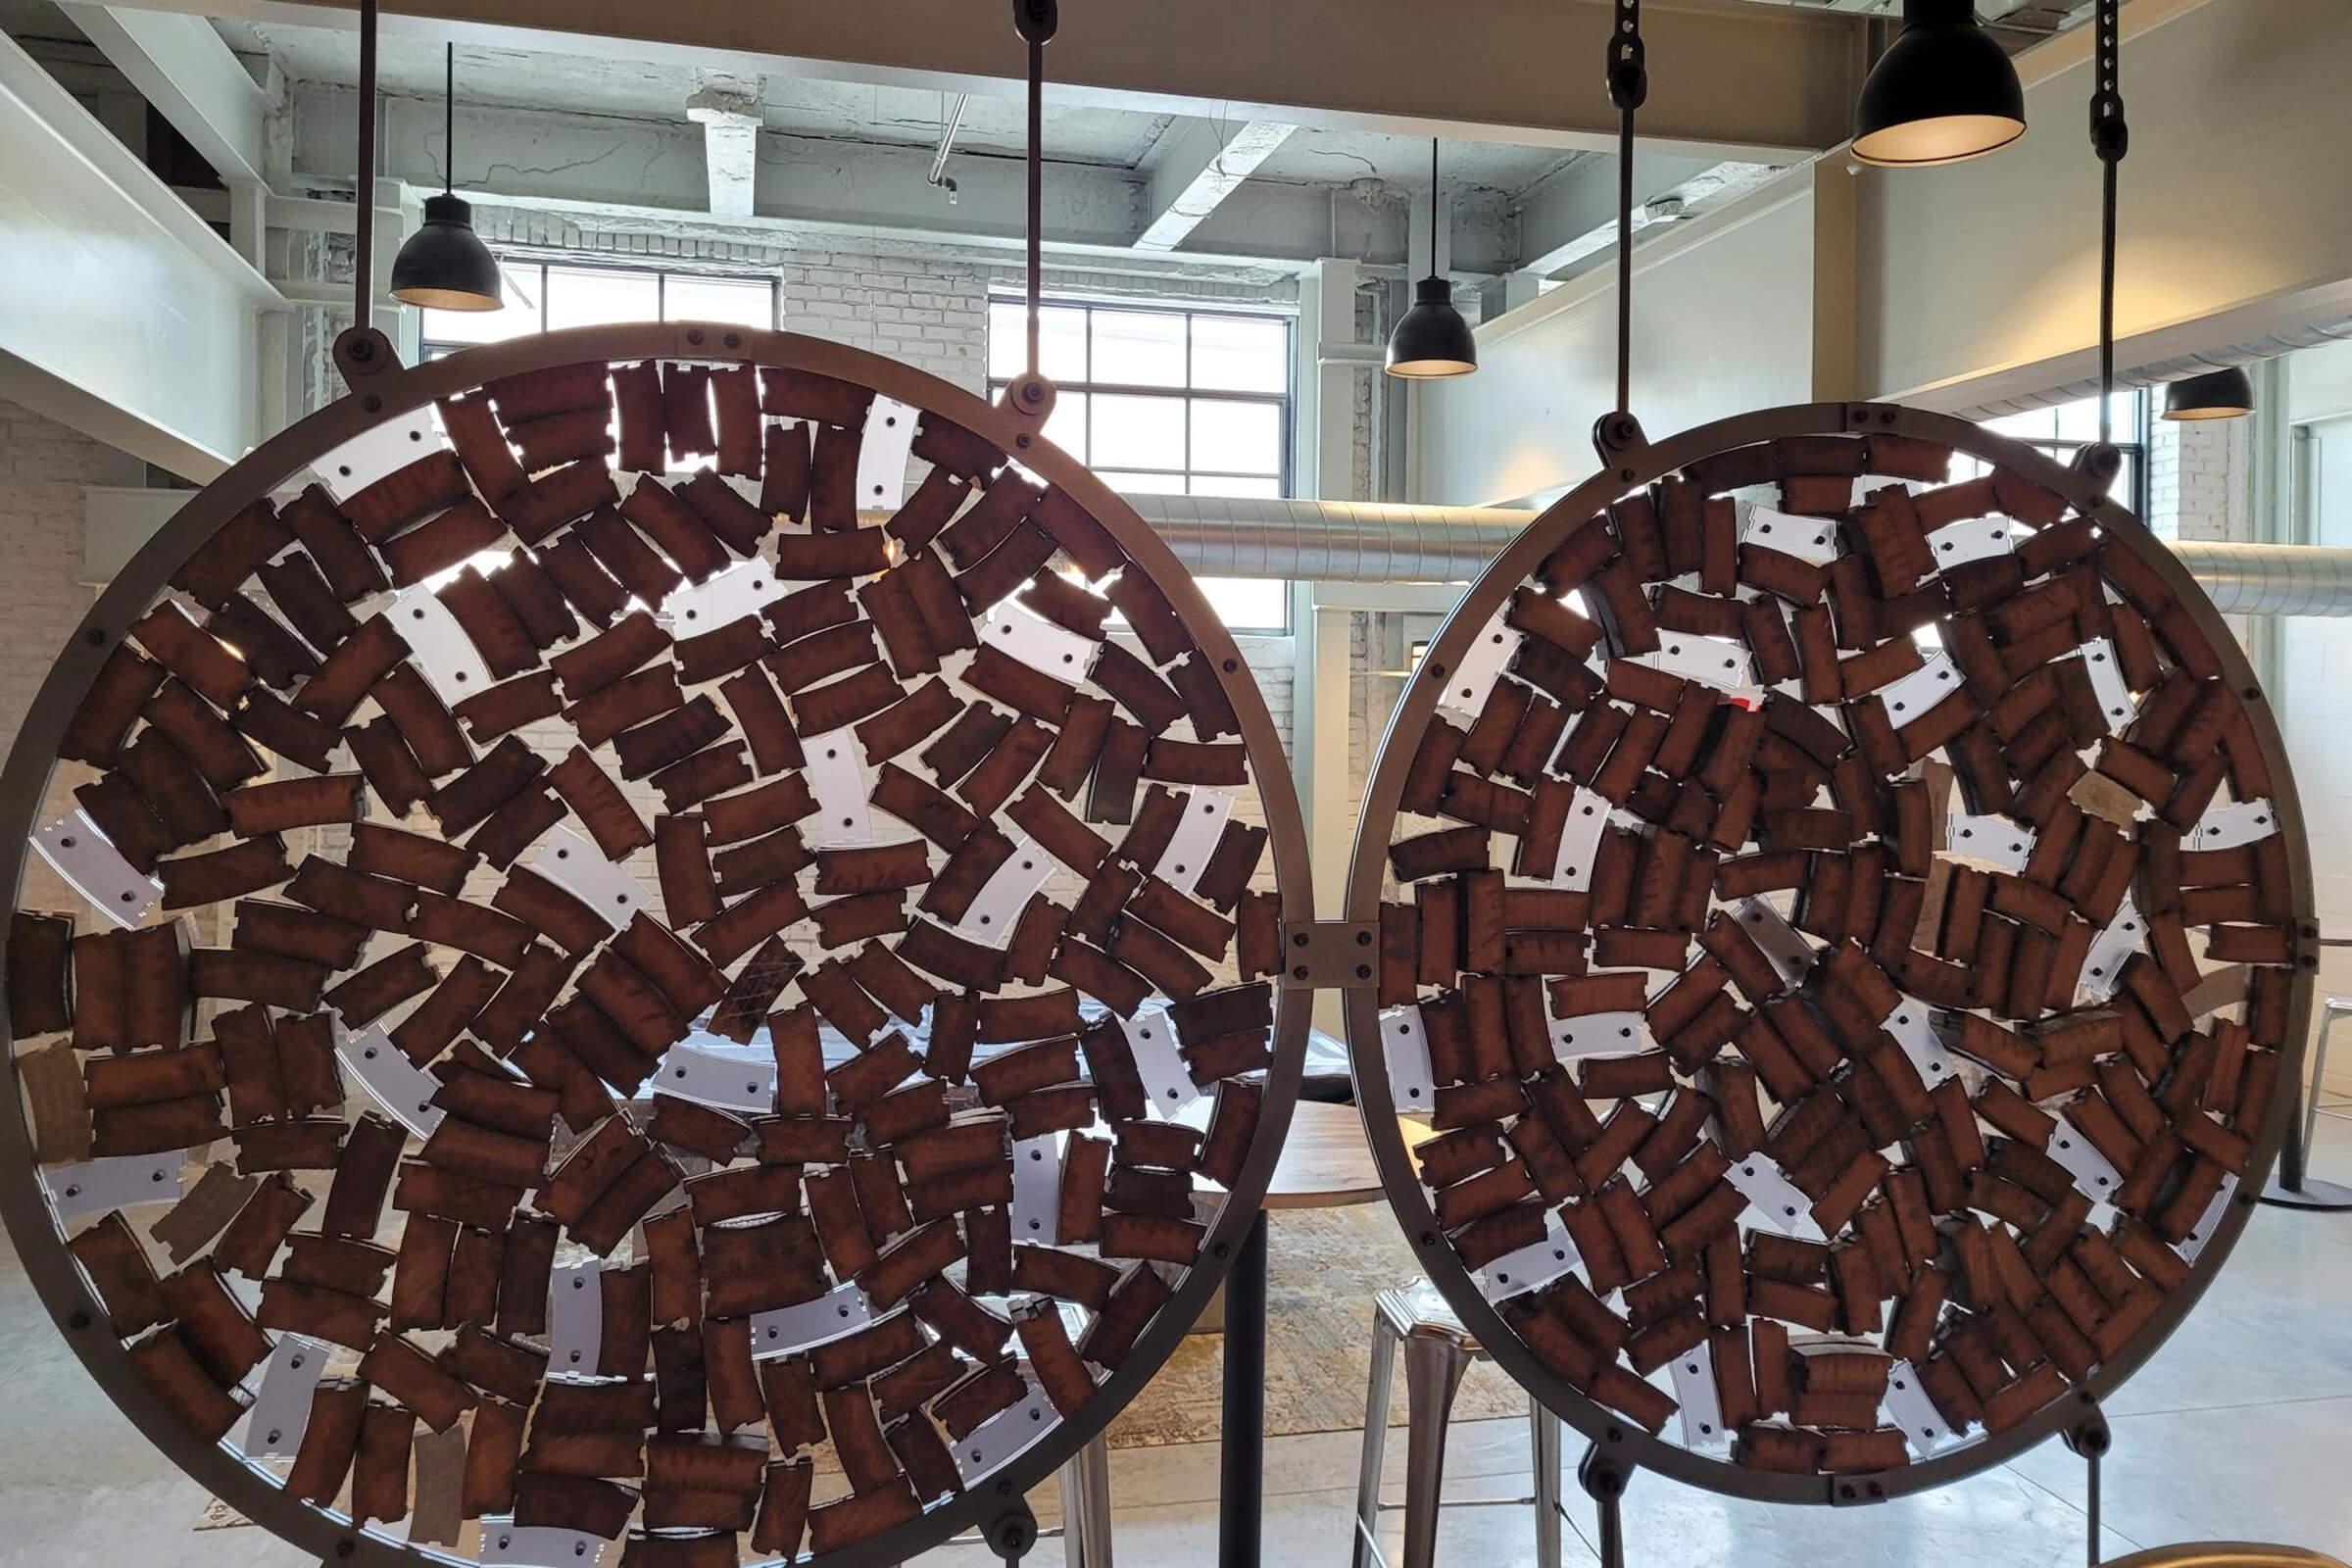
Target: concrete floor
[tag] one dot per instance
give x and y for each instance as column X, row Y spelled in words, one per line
column 2237, row 1429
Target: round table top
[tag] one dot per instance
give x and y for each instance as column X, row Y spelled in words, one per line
column 1325, row 1161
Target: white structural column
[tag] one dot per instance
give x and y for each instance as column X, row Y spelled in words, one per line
column 1330, row 362
column 1194, row 166
column 730, row 120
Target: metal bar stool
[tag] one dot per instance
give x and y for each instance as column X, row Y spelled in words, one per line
column 1086, row 1506
column 2293, row 1186
column 1438, row 1351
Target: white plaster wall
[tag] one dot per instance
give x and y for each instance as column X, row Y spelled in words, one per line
column 1723, row 322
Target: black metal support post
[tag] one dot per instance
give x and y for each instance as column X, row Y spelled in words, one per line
column 1618, row 433
column 2088, row 1440
column 1242, row 1461
column 2110, row 138
column 1604, row 1479
column 363, row 276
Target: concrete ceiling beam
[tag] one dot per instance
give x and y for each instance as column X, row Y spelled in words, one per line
column 654, row 174
column 730, row 121
column 1729, row 80
column 181, row 66
column 1196, row 164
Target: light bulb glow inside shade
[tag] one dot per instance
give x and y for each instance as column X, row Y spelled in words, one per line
column 1944, row 91
column 1946, row 139
column 1432, row 341
column 445, row 265
column 2227, row 394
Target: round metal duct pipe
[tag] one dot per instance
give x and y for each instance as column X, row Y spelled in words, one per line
column 1349, row 541
column 1331, row 541
column 2270, row 580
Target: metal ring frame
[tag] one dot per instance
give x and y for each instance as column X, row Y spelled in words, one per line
column 381, row 391
column 1615, row 1437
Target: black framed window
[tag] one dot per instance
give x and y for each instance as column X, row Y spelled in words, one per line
column 2064, row 429
column 545, row 296
column 1167, row 400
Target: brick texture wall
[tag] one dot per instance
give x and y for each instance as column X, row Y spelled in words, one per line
column 44, row 467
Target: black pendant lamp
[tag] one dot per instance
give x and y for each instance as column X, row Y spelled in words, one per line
column 1943, row 92
column 1433, row 340
column 2216, row 395
column 445, row 265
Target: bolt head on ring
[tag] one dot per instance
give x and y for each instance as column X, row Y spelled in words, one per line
column 1032, row 397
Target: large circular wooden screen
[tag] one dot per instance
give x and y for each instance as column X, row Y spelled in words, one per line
column 1805, row 869
column 718, row 1013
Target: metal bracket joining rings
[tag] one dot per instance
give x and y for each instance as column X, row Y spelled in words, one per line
column 362, row 351
column 1619, row 439
column 1036, row 21
column 1330, row 955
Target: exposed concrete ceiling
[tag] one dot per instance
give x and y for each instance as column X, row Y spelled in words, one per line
column 904, row 117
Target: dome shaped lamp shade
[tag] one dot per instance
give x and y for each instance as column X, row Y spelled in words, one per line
column 1432, row 341
column 445, row 265
column 2216, row 395
column 1943, row 92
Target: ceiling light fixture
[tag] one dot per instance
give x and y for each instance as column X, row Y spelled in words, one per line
column 2227, row 394
column 445, row 265
column 1944, row 91
column 1432, row 341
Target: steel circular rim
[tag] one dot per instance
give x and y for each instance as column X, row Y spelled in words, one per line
column 1613, row 1436
column 382, row 394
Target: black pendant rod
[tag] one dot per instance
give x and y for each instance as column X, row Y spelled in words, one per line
column 1036, row 21
column 2110, row 138
column 449, row 119
column 363, row 280
column 1433, row 206
column 1629, row 86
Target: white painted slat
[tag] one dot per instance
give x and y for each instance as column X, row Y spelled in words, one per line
column 578, row 866
column 1037, row 1189
column 381, row 449
column 1530, row 1267
column 1412, row 1083
column 576, row 1319
column 1914, row 695
column 282, row 1405
column 1195, row 838
column 118, row 1181
column 404, row 1088
column 445, row 655
column 1702, row 1405
column 783, row 1330
column 882, row 453
column 714, row 1078
column 1468, row 682
column 1050, row 650
column 1006, row 893
column 1991, row 838
column 1813, row 539
column 118, row 891
column 2225, row 827
column 1151, row 1041
column 1773, row 1197
column 836, row 774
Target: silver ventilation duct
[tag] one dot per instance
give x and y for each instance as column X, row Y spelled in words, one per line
column 1331, row 541
column 1347, row 541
